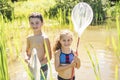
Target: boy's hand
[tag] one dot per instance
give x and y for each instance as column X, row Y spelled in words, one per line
column 26, row 60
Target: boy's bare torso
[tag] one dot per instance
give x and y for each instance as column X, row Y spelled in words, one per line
column 37, row 41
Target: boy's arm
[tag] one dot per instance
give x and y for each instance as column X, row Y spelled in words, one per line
column 28, row 51
column 48, row 47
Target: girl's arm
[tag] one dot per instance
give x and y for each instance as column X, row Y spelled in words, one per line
column 78, row 64
column 59, row 67
column 77, row 60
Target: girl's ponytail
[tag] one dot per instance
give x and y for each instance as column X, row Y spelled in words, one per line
column 57, row 46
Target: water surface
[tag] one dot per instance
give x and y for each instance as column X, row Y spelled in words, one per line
column 99, row 39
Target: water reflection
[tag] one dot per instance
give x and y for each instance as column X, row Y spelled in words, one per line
column 107, row 62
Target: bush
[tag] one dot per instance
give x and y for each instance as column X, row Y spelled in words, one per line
column 66, row 7
column 99, row 12
column 61, row 9
column 6, row 10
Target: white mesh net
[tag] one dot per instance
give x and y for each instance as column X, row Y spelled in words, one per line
column 82, row 16
column 35, row 65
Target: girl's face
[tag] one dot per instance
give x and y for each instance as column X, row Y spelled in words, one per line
column 35, row 24
column 66, row 41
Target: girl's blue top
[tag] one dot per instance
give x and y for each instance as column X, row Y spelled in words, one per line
column 66, row 58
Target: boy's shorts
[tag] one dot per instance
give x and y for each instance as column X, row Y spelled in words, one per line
column 44, row 69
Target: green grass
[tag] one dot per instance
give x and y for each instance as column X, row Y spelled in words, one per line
column 31, row 6
column 49, row 64
column 116, row 73
column 118, row 31
column 95, row 63
column 3, row 55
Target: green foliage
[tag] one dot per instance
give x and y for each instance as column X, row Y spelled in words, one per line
column 116, row 72
column 66, row 7
column 48, row 58
column 6, row 9
column 3, row 57
column 117, row 50
column 113, row 9
column 114, row 14
column 99, row 13
column 61, row 10
column 30, row 6
column 95, row 64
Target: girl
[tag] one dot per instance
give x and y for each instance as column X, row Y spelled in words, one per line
column 65, row 58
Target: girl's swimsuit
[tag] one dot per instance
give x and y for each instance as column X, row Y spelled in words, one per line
column 60, row 78
column 66, row 59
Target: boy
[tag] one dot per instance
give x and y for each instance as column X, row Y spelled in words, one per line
column 37, row 41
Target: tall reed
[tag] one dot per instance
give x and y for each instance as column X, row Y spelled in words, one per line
column 116, row 72
column 116, row 40
column 3, row 55
column 118, row 31
column 95, row 63
column 117, row 45
column 48, row 58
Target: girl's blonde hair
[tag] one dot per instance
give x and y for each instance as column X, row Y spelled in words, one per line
column 57, row 45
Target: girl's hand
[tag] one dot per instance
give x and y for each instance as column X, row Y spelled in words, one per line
column 73, row 63
column 77, row 61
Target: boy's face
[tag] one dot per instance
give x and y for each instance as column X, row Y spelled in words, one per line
column 35, row 24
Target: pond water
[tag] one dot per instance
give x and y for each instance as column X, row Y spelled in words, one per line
column 98, row 38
